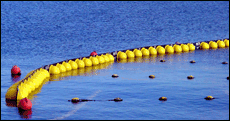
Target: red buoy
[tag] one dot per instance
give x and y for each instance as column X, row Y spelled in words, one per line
column 94, row 53
column 25, row 104
column 15, row 70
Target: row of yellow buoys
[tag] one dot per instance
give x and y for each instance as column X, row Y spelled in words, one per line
column 154, row 51
column 80, row 63
column 214, row 45
column 31, row 83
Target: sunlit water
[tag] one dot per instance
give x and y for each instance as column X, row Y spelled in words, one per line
column 34, row 34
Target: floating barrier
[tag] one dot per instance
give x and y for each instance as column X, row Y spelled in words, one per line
column 35, row 78
column 77, row 100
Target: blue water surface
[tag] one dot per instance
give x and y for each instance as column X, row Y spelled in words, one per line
column 38, row 33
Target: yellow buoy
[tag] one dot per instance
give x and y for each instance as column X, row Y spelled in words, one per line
column 137, row 53
column 142, row 49
column 54, row 69
column 145, row 52
column 169, row 49
column 191, row 47
column 129, row 54
column 201, row 44
column 161, row 50
column 185, row 48
column 67, row 66
column 111, row 58
column 226, row 42
column 100, row 59
column 88, row 62
column 158, row 47
column 210, row 42
column 205, row 45
column 221, row 44
column 177, row 48
column 30, row 83
column 61, row 67
column 122, row 55
column 80, row 63
column 94, row 60
column 213, row 45
column 106, row 58
column 73, row 64
column 152, row 51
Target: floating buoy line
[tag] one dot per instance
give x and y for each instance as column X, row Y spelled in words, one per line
column 34, row 80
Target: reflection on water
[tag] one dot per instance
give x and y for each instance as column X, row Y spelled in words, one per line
column 25, row 113
column 86, row 71
column 15, row 78
column 144, row 59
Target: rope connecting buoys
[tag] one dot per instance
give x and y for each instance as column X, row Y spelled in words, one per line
column 209, row 98
column 76, row 100
column 15, row 70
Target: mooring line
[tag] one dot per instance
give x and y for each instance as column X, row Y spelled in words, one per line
column 77, row 107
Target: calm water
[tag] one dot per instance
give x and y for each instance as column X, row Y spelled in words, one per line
column 34, row 34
